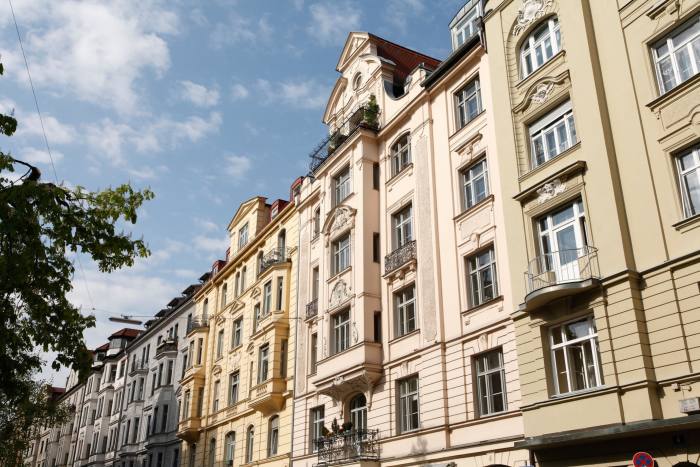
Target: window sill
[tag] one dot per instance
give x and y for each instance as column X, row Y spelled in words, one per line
column 526, row 80
column 338, row 274
column 687, row 222
column 467, row 124
column 406, row 171
column 405, row 336
column 474, row 208
column 235, row 348
column 481, row 306
column 535, row 170
column 673, row 93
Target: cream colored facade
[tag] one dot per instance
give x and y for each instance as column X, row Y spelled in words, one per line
column 236, row 394
column 391, row 197
column 589, row 138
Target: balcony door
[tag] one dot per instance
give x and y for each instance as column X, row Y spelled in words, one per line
column 563, row 241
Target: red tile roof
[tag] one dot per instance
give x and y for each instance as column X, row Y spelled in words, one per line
column 126, row 332
column 404, row 58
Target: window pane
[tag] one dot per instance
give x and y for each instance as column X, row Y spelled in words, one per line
column 560, row 370
column 576, row 330
column 692, row 186
column 684, row 61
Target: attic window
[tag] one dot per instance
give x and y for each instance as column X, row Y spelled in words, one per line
column 357, row 81
column 466, row 26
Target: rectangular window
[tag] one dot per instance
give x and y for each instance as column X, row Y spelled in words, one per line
column 491, row 382
column 234, row 380
column 283, row 358
column 169, row 374
column 243, row 236
column 341, row 186
column 475, row 184
column 257, row 315
column 563, row 240
column 263, row 363
column 677, row 56
column 482, row 277
column 220, row 343
column 341, row 331
column 375, row 176
column 688, row 164
column 314, row 353
column 267, row 298
column 552, row 134
column 315, row 283
column 405, row 309
column 467, row 26
column 186, row 406
column 164, row 418
column 575, row 356
column 400, row 154
column 468, row 103
column 316, row 222
column 408, row 404
column 280, row 292
column 376, row 255
column 237, row 335
column 377, row 326
column 200, row 350
column 317, row 421
column 341, row 254
column 402, row 223
column 200, row 401
column 215, row 396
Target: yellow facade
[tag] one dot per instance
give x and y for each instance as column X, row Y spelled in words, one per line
column 235, row 396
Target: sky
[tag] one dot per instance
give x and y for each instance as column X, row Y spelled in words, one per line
column 207, row 103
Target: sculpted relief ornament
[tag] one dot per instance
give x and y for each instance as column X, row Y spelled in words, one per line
column 339, row 295
column 541, row 92
column 341, row 218
column 530, row 11
column 550, row 190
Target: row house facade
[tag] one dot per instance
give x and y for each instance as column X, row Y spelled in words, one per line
column 236, row 392
column 597, row 146
column 407, row 350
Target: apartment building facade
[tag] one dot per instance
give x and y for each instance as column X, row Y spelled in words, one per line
column 597, row 143
column 236, row 392
column 407, row 350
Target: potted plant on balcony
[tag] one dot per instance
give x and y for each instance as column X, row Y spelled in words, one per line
column 371, row 113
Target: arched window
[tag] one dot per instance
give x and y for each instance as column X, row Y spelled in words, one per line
column 540, row 46
column 230, row 447
column 224, row 292
column 282, row 244
column 400, row 154
column 260, row 263
column 273, row 433
column 249, row 444
column 358, row 413
column 205, row 309
column 317, row 222
column 212, row 452
column 243, row 273
column 357, row 81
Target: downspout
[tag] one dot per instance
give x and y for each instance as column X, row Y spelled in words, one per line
column 296, row 334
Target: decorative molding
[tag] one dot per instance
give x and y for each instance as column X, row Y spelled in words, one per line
column 470, row 146
column 339, row 294
column 530, row 11
column 340, row 218
column 255, row 293
column 550, row 190
column 542, row 92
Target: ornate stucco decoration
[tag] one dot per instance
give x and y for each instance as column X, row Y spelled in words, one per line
column 471, row 146
column 255, row 293
column 341, row 218
column 237, row 305
column 235, row 360
column 550, row 190
column 339, row 294
column 530, row 11
column 542, row 92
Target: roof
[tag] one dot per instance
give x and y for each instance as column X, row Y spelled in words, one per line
column 102, row 347
column 126, row 332
column 452, row 60
column 405, row 59
column 191, row 289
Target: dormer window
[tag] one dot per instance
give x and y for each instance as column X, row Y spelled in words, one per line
column 466, row 24
column 243, row 236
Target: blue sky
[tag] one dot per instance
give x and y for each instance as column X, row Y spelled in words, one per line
column 207, row 103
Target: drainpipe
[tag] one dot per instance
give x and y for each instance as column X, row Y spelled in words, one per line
column 296, row 335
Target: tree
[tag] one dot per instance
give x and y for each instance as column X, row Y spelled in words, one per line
column 41, row 223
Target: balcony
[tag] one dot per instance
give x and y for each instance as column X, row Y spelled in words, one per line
column 355, row 369
column 138, row 366
column 272, row 257
column 405, row 255
column 351, row 446
column 268, row 396
column 312, row 308
column 365, row 116
column 559, row 274
column 168, row 345
column 188, row 429
column 198, row 323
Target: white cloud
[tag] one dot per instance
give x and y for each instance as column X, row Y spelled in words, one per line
column 238, row 91
column 237, row 166
column 56, row 132
column 39, row 156
column 237, row 29
column 112, row 139
column 399, row 12
column 304, row 94
column 331, row 22
column 198, row 94
column 216, row 245
column 97, row 51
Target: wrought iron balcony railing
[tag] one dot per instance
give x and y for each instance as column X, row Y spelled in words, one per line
column 400, row 256
column 167, row 345
column 353, row 445
column 562, row 267
column 365, row 116
column 272, row 257
column 196, row 323
column 312, row 308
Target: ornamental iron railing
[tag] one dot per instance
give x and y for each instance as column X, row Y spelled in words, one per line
column 352, row 445
column 196, row 323
column 366, row 116
column 561, row 267
column 272, row 257
column 312, row 308
column 400, row 256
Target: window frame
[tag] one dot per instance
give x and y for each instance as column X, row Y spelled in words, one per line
column 408, row 399
column 243, row 236
column 400, row 154
column 468, row 181
column 479, row 299
column 401, row 306
column 402, row 226
column 689, row 209
column 263, row 363
column 318, row 418
column 529, row 45
column 341, row 331
column 341, row 185
column 462, row 99
column 237, row 333
column 547, row 124
column 234, row 387
column 485, row 374
column 673, row 50
column 470, row 18
column 273, row 436
column 592, row 337
column 340, row 255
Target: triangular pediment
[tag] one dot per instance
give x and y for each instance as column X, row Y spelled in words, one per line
column 244, row 209
column 354, row 42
